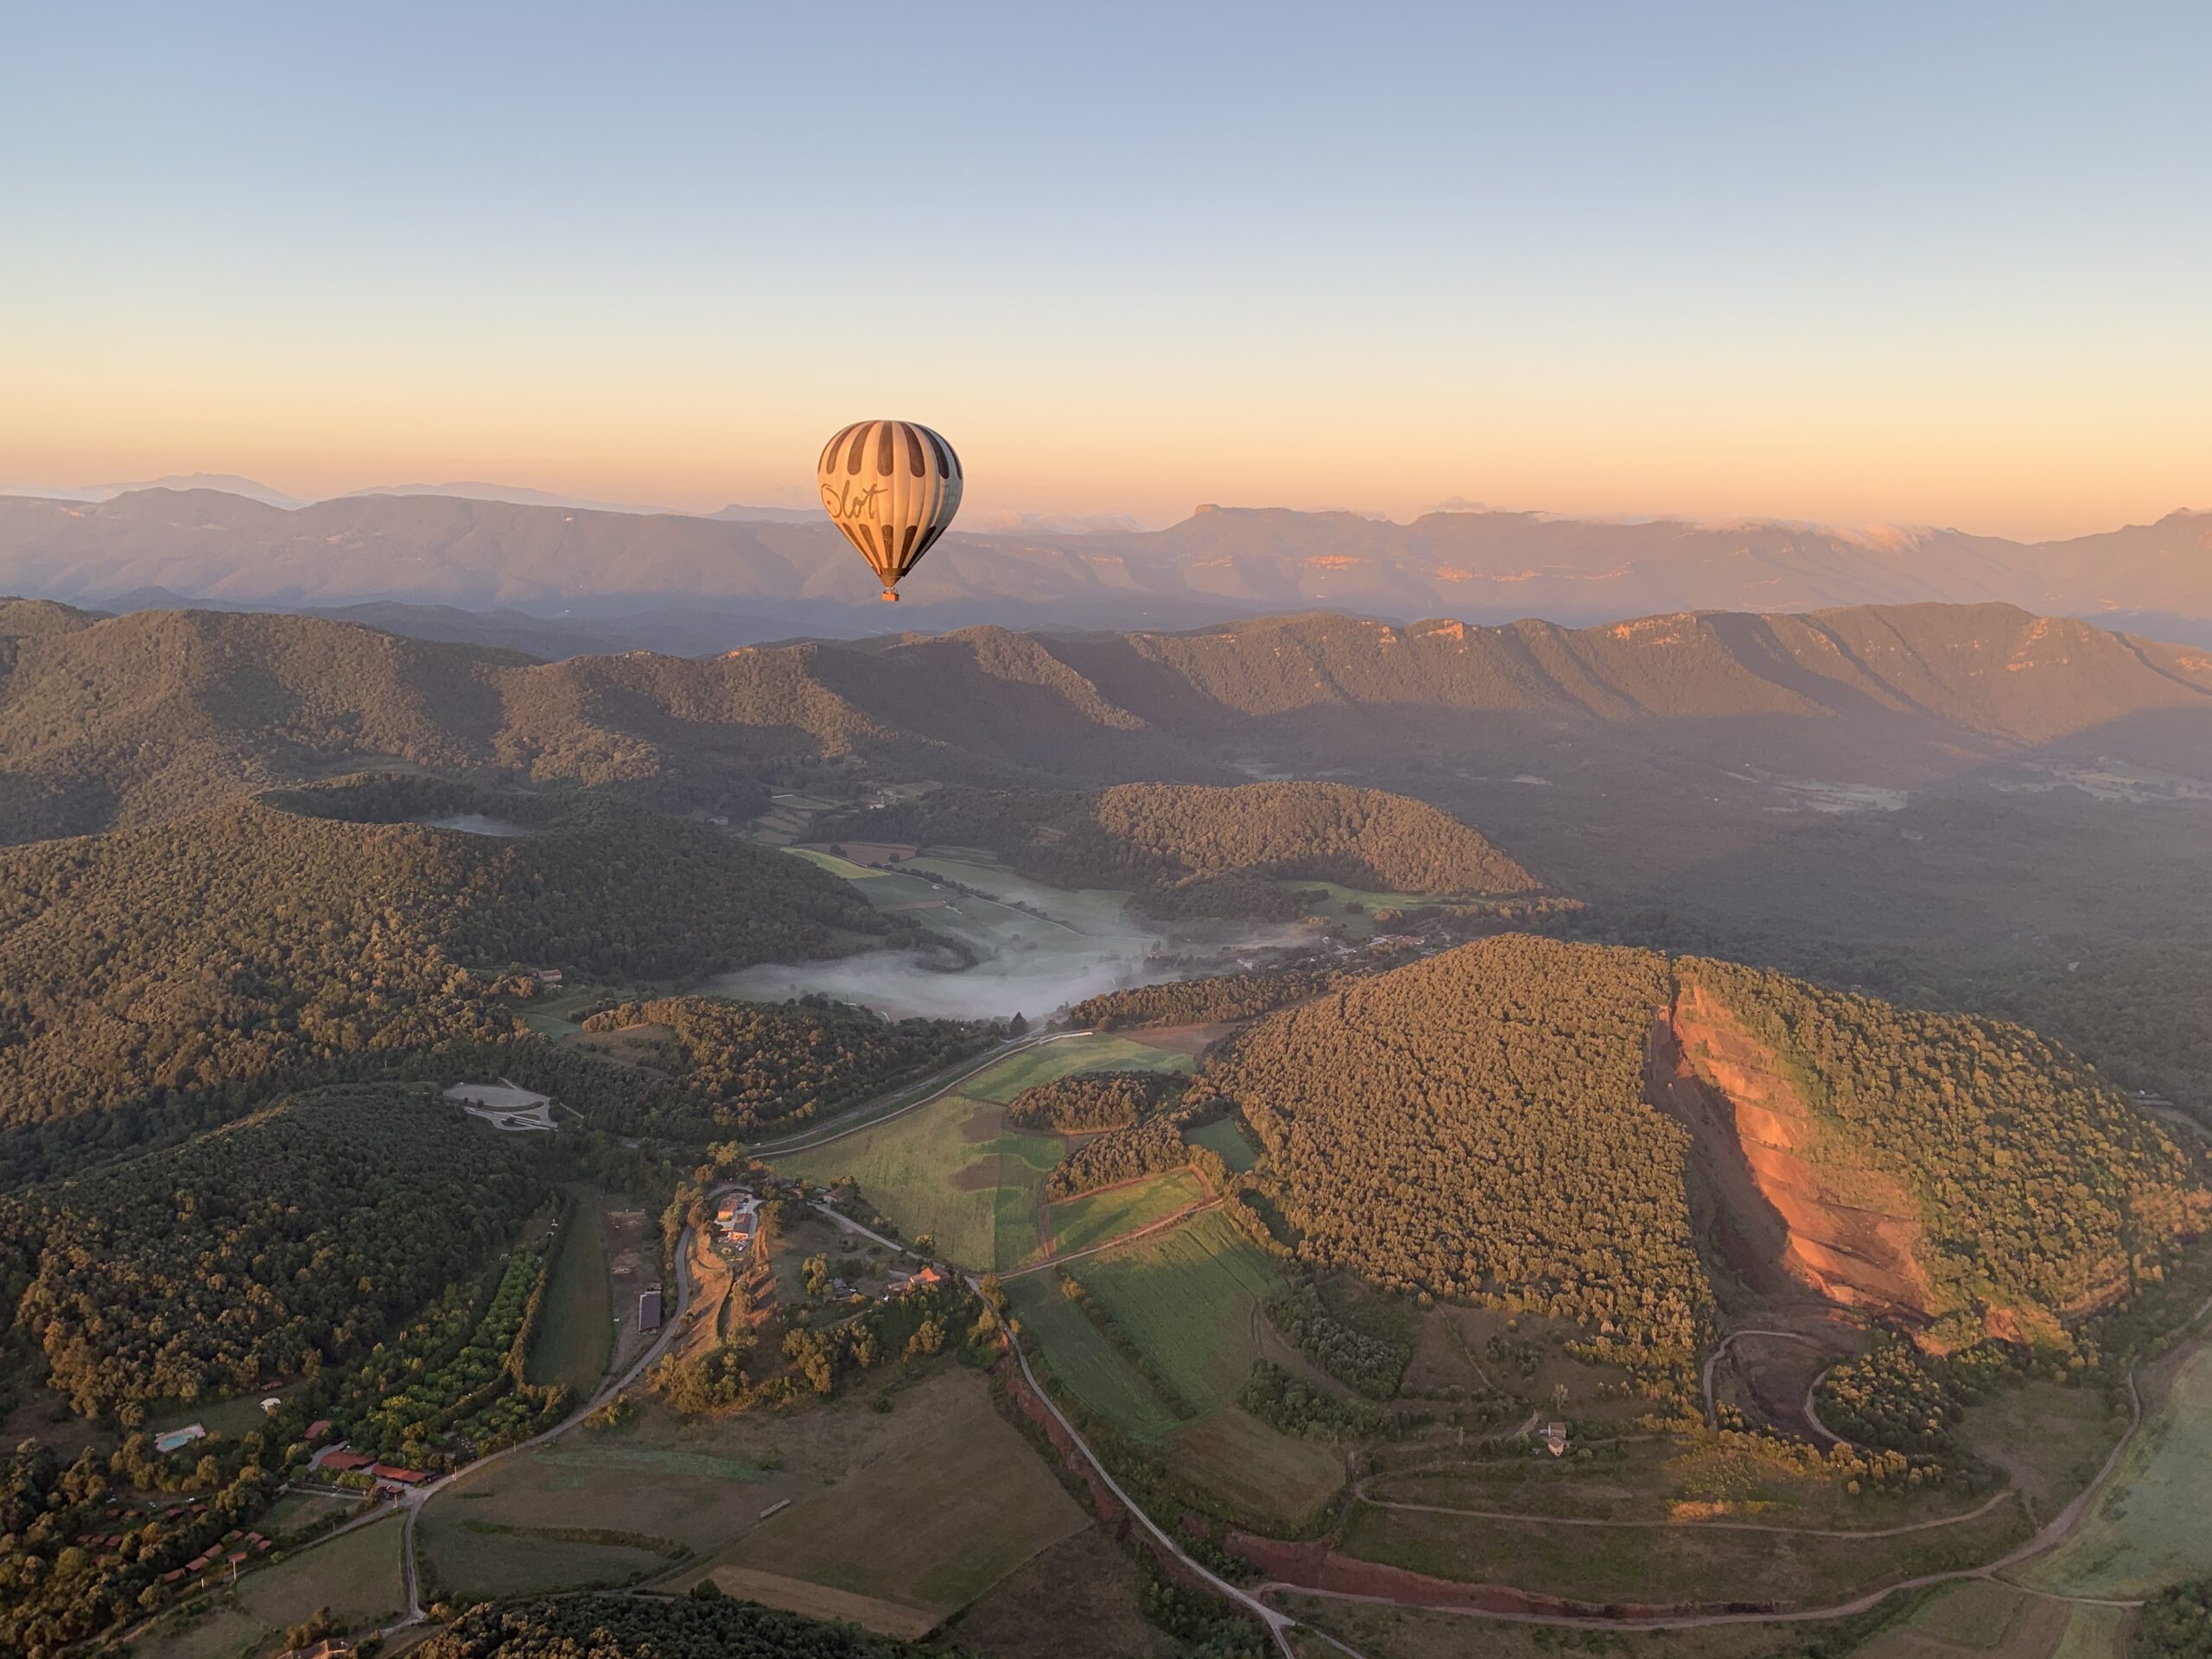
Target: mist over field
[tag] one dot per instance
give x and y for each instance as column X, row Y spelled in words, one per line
column 902, row 984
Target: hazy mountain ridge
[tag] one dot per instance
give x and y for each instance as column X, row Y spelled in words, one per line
column 766, row 573
column 141, row 716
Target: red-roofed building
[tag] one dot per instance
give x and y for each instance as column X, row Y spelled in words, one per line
column 399, row 1477
column 340, row 1463
column 318, row 1428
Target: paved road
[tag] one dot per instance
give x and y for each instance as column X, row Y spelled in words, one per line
column 1278, row 1624
column 412, row 1505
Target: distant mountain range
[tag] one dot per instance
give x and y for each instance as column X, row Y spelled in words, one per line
column 136, row 717
column 747, row 575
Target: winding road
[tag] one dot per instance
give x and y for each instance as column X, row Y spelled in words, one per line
column 1812, row 1416
column 2047, row 1537
column 1253, row 1601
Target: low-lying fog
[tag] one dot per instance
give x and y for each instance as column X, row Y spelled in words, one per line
column 1026, row 963
column 899, row 983
column 476, row 824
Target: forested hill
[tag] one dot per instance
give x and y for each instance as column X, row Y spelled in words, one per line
column 134, row 718
column 169, row 976
column 1496, row 1123
column 220, row 1266
column 1151, row 837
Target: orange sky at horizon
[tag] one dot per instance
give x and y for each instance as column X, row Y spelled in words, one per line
column 1972, row 470
column 1876, row 265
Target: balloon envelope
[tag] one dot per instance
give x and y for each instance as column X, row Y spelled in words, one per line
column 892, row 488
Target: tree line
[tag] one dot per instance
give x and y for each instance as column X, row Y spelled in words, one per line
column 651, row 1627
column 741, row 1065
column 1083, row 1103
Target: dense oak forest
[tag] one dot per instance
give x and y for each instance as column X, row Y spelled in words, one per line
column 1169, row 843
column 1207, row 1000
column 741, row 1065
column 1084, row 1102
column 2044, row 1193
column 1665, row 769
column 1479, row 1126
column 294, row 1239
column 2176, row 1624
column 651, row 1627
column 172, row 975
column 1474, row 1127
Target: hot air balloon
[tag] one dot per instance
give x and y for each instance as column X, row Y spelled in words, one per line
column 892, row 487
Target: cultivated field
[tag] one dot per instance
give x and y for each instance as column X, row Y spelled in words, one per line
column 2152, row 1525
column 1225, row 1139
column 1276, row 1482
column 1083, row 1361
column 2094, row 1632
column 939, row 1170
column 1384, row 1632
column 953, row 1170
column 921, row 1508
column 1360, row 922
column 1977, row 1619
column 1683, row 1563
column 1191, row 1298
column 1093, row 1218
column 1089, row 910
column 576, row 1334
column 595, row 1508
column 356, row 1576
column 939, row 1501
column 1085, row 1590
column 1102, row 1051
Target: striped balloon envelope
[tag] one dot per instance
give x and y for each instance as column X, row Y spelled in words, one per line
column 892, row 487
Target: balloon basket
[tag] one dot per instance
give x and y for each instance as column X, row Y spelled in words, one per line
column 890, row 598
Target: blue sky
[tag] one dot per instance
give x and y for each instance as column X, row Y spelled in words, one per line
column 1868, row 261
